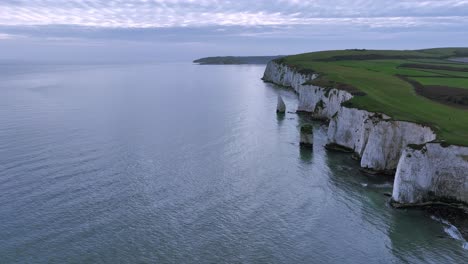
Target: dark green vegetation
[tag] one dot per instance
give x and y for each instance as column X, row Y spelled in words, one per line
column 236, row 60
column 421, row 86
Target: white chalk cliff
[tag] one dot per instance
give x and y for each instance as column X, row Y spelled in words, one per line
column 323, row 103
column 432, row 171
column 382, row 143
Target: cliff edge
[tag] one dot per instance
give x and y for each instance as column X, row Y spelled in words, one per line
column 430, row 172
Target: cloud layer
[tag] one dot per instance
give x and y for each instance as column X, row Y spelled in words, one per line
column 196, row 13
column 186, row 29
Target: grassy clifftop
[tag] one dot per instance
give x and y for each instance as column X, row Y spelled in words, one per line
column 420, row 86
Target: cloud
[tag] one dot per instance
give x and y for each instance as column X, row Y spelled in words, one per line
column 5, row 36
column 98, row 29
column 198, row 13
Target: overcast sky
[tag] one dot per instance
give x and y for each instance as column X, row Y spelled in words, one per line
column 182, row 30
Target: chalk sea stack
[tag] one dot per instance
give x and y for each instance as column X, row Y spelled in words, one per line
column 280, row 107
column 307, row 135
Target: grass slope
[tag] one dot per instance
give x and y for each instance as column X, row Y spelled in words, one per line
column 377, row 73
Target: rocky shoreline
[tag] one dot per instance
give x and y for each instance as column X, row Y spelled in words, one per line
column 426, row 171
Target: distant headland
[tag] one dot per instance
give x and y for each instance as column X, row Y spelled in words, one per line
column 222, row 60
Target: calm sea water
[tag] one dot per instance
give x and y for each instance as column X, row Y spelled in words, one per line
column 179, row 163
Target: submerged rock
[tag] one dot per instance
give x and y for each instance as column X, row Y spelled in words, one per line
column 338, row 148
column 280, row 107
column 307, row 135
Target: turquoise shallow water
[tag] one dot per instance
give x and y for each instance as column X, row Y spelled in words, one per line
column 179, row 163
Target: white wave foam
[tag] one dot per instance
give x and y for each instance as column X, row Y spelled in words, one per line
column 452, row 231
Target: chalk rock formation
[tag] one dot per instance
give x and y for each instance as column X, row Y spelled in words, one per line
column 387, row 140
column 382, row 144
column 431, row 172
column 323, row 103
column 375, row 138
column 280, row 106
column 307, row 135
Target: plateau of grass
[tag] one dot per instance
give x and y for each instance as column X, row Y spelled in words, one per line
column 376, row 73
column 451, row 82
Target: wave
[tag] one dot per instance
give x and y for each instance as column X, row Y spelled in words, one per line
column 452, row 231
column 378, row 186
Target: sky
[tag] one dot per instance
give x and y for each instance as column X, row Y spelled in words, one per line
column 183, row 30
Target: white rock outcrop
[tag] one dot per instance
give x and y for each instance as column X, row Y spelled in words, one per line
column 387, row 140
column 381, row 143
column 431, row 172
column 280, row 106
column 283, row 75
column 375, row 138
column 350, row 128
column 321, row 102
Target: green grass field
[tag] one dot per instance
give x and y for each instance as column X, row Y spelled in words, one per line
column 377, row 73
column 459, row 82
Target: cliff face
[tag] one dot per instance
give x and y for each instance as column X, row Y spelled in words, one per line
column 431, row 172
column 350, row 128
column 375, row 138
column 321, row 102
column 388, row 139
column 282, row 75
column 380, row 142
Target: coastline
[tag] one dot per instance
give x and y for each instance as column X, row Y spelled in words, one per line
column 427, row 172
